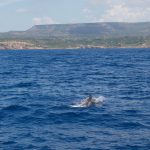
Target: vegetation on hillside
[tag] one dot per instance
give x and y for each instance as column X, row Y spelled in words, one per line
column 78, row 36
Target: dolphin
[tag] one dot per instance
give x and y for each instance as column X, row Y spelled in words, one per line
column 88, row 102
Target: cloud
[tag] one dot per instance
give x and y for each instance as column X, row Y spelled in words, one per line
column 121, row 13
column 89, row 14
column 131, row 3
column 22, row 10
column 8, row 2
column 128, row 3
column 119, row 10
column 96, row 2
column 86, row 10
column 43, row 20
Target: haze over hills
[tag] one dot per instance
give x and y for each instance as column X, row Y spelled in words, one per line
column 78, row 36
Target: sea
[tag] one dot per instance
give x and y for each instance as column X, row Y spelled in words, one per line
column 38, row 88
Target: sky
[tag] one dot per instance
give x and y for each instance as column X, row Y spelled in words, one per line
column 23, row 14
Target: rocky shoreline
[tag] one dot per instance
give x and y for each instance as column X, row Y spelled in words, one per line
column 21, row 45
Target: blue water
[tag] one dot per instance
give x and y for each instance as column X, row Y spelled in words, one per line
column 38, row 87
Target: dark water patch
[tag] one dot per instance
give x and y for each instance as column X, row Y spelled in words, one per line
column 101, row 120
column 39, row 139
column 131, row 125
column 24, row 84
column 6, row 73
column 72, row 139
column 131, row 147
column 16, row 108
column 9, row 143
column 132, row 112
column 36, row 105
column 88, row 148
column 30, row 146
column 39, row 112
column 31, row 120
column 19, row 85
column 70, row 117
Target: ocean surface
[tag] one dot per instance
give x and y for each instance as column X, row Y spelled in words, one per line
column 37, row 89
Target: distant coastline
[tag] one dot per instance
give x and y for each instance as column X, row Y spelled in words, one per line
column 17, row 45
column 20, row 46
column 77, row 36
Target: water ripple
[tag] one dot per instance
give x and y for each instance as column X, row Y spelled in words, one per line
column 38, row 87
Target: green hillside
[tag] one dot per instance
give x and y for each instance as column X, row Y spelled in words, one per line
column 78, row 35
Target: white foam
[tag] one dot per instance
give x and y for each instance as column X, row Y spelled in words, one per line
column 77, row 106
column 99, row 99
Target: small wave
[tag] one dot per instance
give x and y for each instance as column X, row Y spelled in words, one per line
column 30, row 119
column 24, row 84
column 64, row 115
column 72, row 117
column 9, row 143
column 6, row 73
column 15, row 108
column 132, row 125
